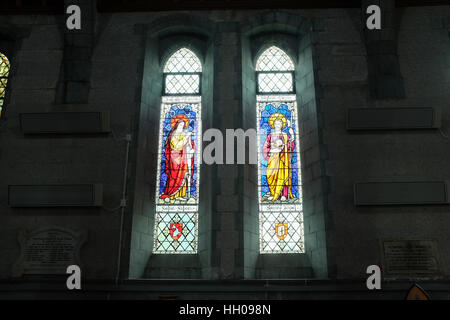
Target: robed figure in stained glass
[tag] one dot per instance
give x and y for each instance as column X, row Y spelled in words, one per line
column 279, row 166
column 277, row 150
column 179, row 166
column 178, row 171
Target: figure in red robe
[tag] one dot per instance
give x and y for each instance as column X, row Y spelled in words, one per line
column 179, row 151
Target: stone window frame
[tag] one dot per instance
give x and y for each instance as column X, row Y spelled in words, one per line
column 267, row 263
column 172, row 49
column 296, row 36
column 161, row 38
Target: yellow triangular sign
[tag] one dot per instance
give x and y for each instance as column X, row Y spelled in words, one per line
column 417, row 293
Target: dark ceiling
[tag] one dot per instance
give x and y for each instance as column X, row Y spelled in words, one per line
column 57, row 6
column 163, row 5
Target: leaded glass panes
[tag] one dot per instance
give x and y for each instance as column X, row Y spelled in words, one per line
column 182, row 83
column 282, row 231
column 183, row 60
column 275, row 72
column 176, row 221
column 275, row 82
column 4, row 73
column 274, row 59
column 279, row 176
column 182, row 73
column 176, row 232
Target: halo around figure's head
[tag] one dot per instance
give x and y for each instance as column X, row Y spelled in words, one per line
column 178, row 118
column 277, row 116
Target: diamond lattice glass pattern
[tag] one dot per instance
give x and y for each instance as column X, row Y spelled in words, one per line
column 183, row 60
column 4, row 73
column 182, row 83
column 275, row 82
column 274, row 59
column 282, row 232
column 176, row 233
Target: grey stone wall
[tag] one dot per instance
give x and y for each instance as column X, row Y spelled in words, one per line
column 341, row 239
column 385, row 77
column 423, row 52
column 76, row 66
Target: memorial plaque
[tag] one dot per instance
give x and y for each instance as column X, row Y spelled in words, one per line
column 48, row 251
column 410, row 258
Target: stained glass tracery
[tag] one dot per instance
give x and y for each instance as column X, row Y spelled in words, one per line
column 279, row 176
column 4, row 74
column 176, row 221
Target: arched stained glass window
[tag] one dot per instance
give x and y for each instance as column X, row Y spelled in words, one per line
column 177, row 196
column 4, row 74
column 279, row 176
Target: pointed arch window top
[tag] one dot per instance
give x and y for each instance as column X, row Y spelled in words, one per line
column 274, row 59
column 183, row 60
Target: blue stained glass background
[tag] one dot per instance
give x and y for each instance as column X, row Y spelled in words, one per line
column 265, row 129
column 193, row 127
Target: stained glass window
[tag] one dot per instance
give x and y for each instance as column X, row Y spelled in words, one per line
column 279, row 176
column 4, row 73
column 176, row 221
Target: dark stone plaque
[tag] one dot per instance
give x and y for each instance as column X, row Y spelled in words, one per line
column 48, row 251
column 410, row 258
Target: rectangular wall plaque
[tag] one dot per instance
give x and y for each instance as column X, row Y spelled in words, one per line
column 401, row 193
column 83, row 195
column 410, row 258
column 48, row 251
column 65, row 122
column 392, row 118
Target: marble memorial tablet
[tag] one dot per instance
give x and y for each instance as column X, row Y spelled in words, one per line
column 410, row 258
column 48, row 251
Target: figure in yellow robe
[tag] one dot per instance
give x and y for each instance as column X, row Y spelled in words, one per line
column 277, row 150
